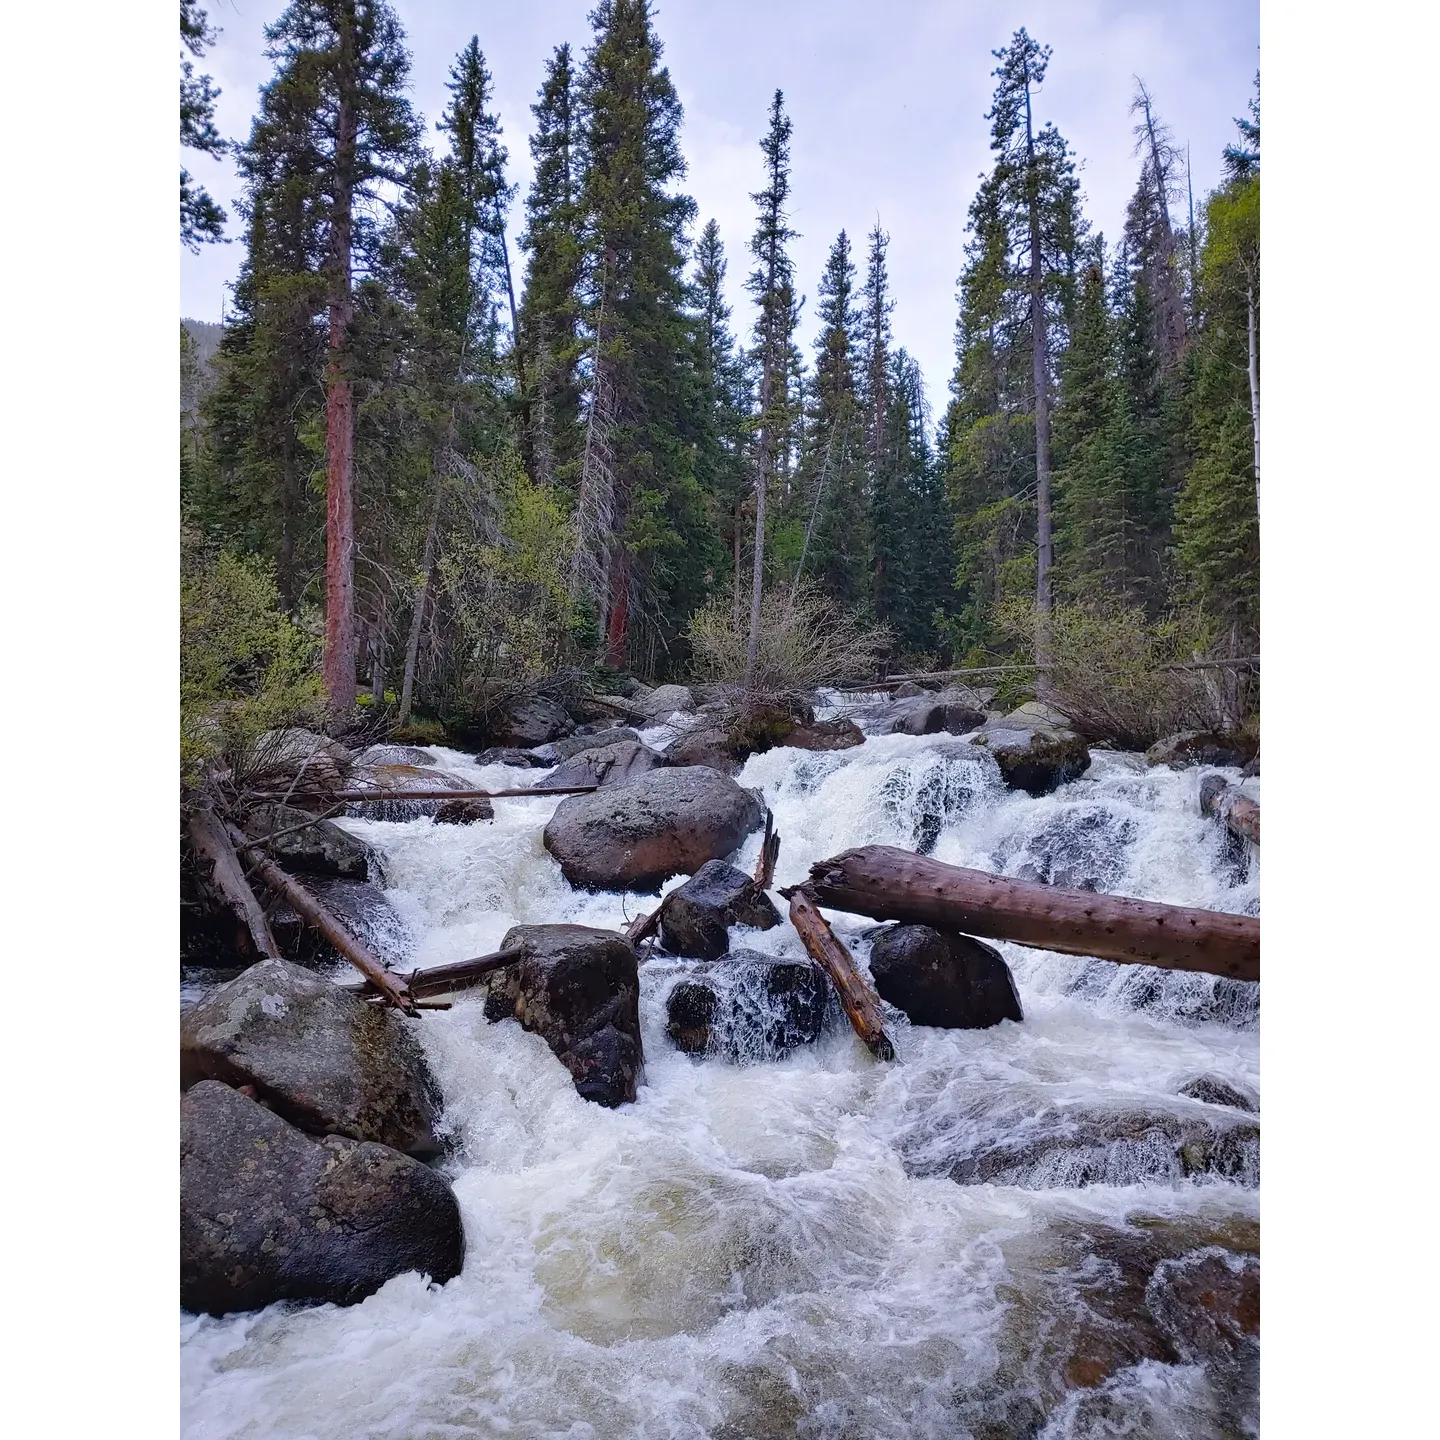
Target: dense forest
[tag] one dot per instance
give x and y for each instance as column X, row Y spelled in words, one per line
column 462, row 438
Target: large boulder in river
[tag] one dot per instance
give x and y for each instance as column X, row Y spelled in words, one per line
column 1204, row 747
column 400, row 777
column 286, row 749
column 394, row 755
column 464, row 812
column 316, row 1054
column 729, row 735
column 307, row 846
column 1035, row 749
column 666, row 699
column 696, row 917
column 838, row 734
column 509, row 755
column 267, row 1213
column 943, row 978
column 616, row 764
column 586, row 737
column 669, row 822
column 531, row 720
column 747, row 1006
column 579, row 989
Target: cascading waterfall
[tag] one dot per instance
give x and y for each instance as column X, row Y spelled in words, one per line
column 814, row 1245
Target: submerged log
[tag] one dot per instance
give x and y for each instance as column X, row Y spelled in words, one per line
column 305, row 905
column 769, row 854
column 213, row 845
column 861, row 1003
column 891, row 884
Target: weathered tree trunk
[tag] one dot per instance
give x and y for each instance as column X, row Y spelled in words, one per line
column 212, row 844
column 339, row 409
column 769, row 854
column 309, row 909
column 458, row 975
column 861, row 1003
column 422, row 597
column 762, row 462
column 339, row 797
column 642, row 927
column 1237, row 811
column 891, row 884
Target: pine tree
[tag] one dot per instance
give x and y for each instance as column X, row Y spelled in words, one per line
column 722, row 446
column 771, row 282
column 836, row 551
column 550, row 312
column 201, row 219
column 886, row 519
column 645, row 549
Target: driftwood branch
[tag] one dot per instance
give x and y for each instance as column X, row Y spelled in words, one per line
column 213, row 845
column 891, row 884
column 340, row 797
column 642, row 927
column 769, row 854
column 883, row 682
column 860, row 1001
column 1237, row 811
column 391, row 986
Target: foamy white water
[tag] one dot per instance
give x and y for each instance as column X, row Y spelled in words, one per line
column 779, row 1249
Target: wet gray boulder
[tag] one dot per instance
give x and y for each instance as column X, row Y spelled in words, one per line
column 399, row 777
column 464, row 812
column 530, row 721
column 360, row 906
column 616, row 764
column 579, row 989
column 267, row 1213
column 1035, row 748
column 943, row 978
column 510, row 755
column 669, row 822
column 1211, row 1090
column 666, row 699
column 825, row 735
column 316, row 1054
column 587, row 737
column 321, row 847
column 696, row 916
column 705, row 744
column 394, row 755
column 286, row 749
column 747, row 1006
column 1204, row 747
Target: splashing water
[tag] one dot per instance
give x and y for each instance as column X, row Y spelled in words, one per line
column 967, row 1242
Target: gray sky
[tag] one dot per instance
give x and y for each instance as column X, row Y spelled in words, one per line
column 887, row 99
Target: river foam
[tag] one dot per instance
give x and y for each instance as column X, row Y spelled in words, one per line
column 780, row 1249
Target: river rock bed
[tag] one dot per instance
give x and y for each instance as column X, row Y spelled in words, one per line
column 781, row 1245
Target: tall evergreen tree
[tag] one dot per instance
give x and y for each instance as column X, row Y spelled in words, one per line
column 771, row 282
column 836, row 551
column 722, row 446
column 883, row 481
column 201, row 219
column 643, row 539
column 550, row 312
column 339, row 92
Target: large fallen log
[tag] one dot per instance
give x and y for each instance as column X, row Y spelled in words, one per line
column 227, row 878
column 309, row 909
column 891, row 884
column 444, row 979
column 861, row 1003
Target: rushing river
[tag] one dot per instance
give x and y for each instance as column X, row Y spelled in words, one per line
column 779, row 1249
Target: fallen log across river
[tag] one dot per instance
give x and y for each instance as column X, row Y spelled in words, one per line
column 891, row 884
column 347, row 796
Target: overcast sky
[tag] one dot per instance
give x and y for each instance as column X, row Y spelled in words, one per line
column 887, row 99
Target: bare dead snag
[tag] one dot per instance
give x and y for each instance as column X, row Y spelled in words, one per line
column 390, row 986
column 891, row 884
column 213, row 845
column 769, row 854
column 861, row 1003
column 642, row 927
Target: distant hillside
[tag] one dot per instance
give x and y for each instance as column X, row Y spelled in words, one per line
column 206, row 335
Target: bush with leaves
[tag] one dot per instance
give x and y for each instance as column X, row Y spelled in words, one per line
column 1109, row 672
column 245, row 666
column 806, row 640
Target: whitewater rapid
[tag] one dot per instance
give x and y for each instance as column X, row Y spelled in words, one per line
column 779, row 1249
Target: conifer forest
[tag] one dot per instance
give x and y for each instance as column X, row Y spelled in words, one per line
column 476, row 437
